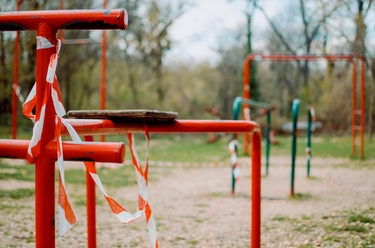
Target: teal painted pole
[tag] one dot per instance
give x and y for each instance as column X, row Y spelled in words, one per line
column 295, row 108
column 308, row 145
column 236, row 111
column 268, row 143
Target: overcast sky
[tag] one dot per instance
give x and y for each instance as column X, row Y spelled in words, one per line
column 196, row 33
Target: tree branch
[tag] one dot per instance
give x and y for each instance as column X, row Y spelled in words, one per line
column 274, row 28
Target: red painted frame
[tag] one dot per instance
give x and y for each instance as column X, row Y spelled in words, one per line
column 330, row 57
column 47, row 23
column 15, row 78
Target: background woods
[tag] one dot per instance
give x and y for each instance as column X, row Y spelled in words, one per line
column 139, row 75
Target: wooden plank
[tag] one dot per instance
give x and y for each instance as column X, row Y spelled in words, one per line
column 128, row 114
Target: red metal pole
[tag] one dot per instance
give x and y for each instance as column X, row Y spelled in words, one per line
column 256, row 145
column 362, row 86
column 44, row 165
column 246, row 95
column 113, row 152
column 90, row 206
column 105, row 126
column 354, row 106
column 103, row 82
column 15, row 79
column 15, row 86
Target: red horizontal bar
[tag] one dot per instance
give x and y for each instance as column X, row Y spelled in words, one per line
column 106, row 126
column 111, row 152
column 288, row 57
column 64, row 19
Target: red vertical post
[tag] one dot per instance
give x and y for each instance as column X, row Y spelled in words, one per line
column 246, row 95
column 15, row 86
column 103, row 83
column 90, row 206
column 354, row 106
column 362, row 99
column 44, row 165
column 15, row 79
column 256, row 146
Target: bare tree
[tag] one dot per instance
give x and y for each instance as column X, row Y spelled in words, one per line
column 153, row 39
column 313, row 15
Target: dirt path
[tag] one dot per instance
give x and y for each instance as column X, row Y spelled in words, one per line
column 193, row 207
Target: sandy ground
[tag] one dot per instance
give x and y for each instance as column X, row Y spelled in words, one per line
column 194, row 208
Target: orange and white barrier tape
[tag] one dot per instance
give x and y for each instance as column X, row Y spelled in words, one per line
column 17, row 90
column 308, row 153
column 233, row 159
column 312, row 112
column 174, row 164
column 246, row 114
column 65, row 212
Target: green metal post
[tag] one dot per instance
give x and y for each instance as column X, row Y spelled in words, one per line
column 295, row 108
column 268, row 143
column 308, row 145
column 236, row 111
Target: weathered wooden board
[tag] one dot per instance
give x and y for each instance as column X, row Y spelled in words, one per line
column 128, row 114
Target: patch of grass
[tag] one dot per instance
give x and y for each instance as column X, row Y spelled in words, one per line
column 200, row 220
column 217, row 194
column 121, row 177
column 324, row 146
column 333, row 239
column 30, row 240
column 345, row 228
column 360, row 218
column 202, row 205
column 80, row 202
column 312, row 178
column 300, row 197
column 354, row 228
column 17, row 194
column 192, row 242
column 22, row 173
column 281, row 218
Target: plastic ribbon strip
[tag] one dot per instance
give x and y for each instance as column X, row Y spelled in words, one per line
column 184, row 164
column 17, row 90
column 233, row 159
column 308, row 153
column 142, row 179
column 65, row 212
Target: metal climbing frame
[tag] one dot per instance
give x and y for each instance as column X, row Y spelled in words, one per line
column 238, row 101
column 330, row 57
column 47, row 23
column 310, row 116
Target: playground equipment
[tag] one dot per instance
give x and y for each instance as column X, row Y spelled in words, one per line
column 16, row 91
column 90, row 184
column 265, row 110
column 45, row 147
column 310, row 118
column 330, row 57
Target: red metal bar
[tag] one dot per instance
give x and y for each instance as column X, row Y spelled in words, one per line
column 103, row 82
column 330, row 57
column 354, row 106
column 15, row 79
column 246, row 95
column 64, row 19
column 105, row 126
column 44, row 165
column 256, row 144
column 112, row 152
column 91, row 205
column 362, row 121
